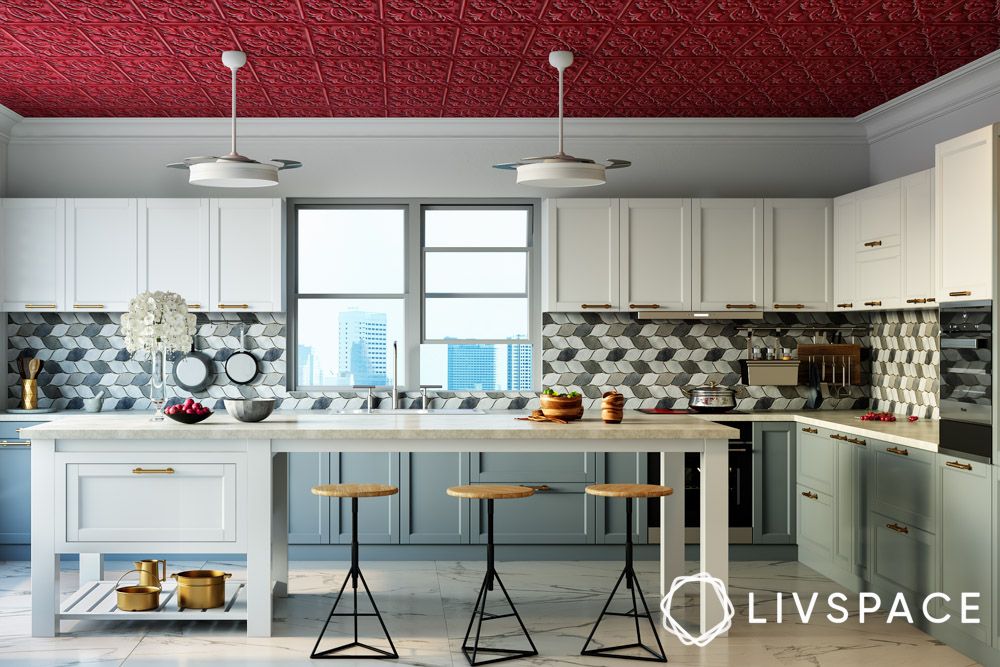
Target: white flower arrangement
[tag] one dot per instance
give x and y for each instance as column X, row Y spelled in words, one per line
column 158, row 320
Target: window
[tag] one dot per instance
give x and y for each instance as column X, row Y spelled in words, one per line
column 352, row 292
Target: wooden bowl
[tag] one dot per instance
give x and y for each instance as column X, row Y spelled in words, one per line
column 562, row 407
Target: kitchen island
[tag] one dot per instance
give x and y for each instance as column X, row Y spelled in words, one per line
column 123, row 484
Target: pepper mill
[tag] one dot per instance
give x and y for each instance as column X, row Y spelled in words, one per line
column 612, row 407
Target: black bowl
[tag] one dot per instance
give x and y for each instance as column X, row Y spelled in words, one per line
column 185, row 418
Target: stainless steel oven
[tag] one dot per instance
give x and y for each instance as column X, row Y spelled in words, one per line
column 966, row 377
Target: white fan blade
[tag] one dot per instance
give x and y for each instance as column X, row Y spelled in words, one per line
column 287, row 164
column 617, row 164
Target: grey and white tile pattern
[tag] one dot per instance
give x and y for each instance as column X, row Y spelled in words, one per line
column 905, row 360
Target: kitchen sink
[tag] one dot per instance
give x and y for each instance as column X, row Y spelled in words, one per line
column 402, row 411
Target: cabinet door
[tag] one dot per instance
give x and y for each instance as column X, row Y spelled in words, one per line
column 798, row 254
column 965, row 540
column 845, row 506
column 773, row 483
column 965, row 193
column 34, row 254
column 427, row 514
column 878, row 279
column 845, row 222
column 655, row 254
column 562, row 513
column 880, row 218
column 814, row 515
column 581, row 262
column 903, row 484
column 814, row 460
column 621, row 468
column 378, row 518
column 918, row 240
column 727, row 254
column 15, row 494
column 902, row 558
column 245, row 248
column 102, row 250
column 308, row 514
column 174, row 248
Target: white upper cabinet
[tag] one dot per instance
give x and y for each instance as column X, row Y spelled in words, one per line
column 581, row 261
column 727, row 254
column 245, row 246
column 965, row 192
column 879, row 216
column 102, row 249
column 655, row 254
column 918, row 240
column 878, row 264
column 845, row 224
column 798, row 254
column 173, row 248
column 32, row 237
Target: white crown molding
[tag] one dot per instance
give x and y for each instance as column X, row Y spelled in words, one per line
column 285, row 130
column 966, row 85
column 8, row 119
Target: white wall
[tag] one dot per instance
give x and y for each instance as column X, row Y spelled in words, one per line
column 442, row 157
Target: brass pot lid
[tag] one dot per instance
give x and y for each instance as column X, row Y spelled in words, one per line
column 201, row 577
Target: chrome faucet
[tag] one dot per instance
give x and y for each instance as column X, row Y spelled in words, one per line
column 423, row 394
column 370, row 388
column 395, row 375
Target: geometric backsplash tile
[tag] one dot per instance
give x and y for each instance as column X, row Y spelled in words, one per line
column 905, row 360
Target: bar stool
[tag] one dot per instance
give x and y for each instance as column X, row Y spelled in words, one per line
column 629, row 492
column 489, row 493
column 354, row 491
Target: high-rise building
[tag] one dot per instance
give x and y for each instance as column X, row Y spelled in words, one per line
column 306, row 359
column 362, row 349
column 472, row 367
column 519, row 375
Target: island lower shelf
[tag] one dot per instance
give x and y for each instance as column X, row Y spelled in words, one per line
column 96, row 601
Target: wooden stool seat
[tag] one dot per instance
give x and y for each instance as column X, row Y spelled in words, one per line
column 354, row 490
column 629, row 490
column 490, row 491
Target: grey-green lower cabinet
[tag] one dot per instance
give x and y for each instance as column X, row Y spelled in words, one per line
column 850, row 530
column 308, row 515
column 378, row 518
column 15, row 494
column 621, row 468
column 427, row 514
column 774, row 482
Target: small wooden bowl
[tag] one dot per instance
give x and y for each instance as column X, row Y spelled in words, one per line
column 562, row 407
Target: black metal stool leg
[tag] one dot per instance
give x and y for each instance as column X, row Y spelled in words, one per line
column 479, row 613
column 353, row 575
column 631, row 584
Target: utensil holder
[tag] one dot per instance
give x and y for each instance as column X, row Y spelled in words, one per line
column 29, row 394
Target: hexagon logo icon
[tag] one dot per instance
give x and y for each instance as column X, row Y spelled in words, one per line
column 671, row 625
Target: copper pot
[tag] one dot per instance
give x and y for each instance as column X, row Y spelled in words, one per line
column 201, row 589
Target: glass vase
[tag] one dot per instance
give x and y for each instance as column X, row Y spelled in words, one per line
column 158, row 381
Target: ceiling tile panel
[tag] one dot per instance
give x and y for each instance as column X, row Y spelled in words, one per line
column 482, row 58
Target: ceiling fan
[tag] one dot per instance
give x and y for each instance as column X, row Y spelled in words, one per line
column 561, row 170
column 233, row 170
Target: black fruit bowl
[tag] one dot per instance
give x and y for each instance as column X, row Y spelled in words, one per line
column 185, row 418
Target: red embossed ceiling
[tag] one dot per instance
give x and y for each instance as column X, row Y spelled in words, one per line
column 481, row 57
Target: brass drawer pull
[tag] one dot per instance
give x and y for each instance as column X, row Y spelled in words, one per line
column 810, row 430
column 89, row 306
column 901, row 452
column 916, row 301
column 537, row 487
column 959, row 465
column 651, row 306
column 741, row 306
column 595, row 305
column 194, row 305
column 899, row 529
column 810, row 495
column 873, row 244
column 40, row 305
column 930, row 299
column 961, row 293
column 857, row 441
column 796, row 306
column 845, row 305
column 835, row 436
column 15, row 443
column 152, row 471
column 873, row 303
column 224, row 306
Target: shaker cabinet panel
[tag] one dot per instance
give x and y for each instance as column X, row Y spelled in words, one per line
column 378, row 518
column 845, row 222
column 774, row 483
column 655, row 254
column 581, row 262
column 727, row 253
column 102, row 249
column 879, row 216
column 919, row 259
column 174, row 248
column 965, row 173
column 878, row 277
column 621, row 468
column 308, row 514
column 798, row 254
column 427, row 514
column 15, row 494
column 246, row 261
column 33, row 242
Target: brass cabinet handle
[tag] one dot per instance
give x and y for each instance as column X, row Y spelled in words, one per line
column 233, row 305
column 930, row 299
column 858, row 441
column 901, row 452
column 916, row 301
column 152, row 471
column 873, row 303
column 40, row 305
column 89, row 306
column 959, row 465
column 837, row 436
column 810, row 495
column 537, row 487
column 845, row 305
column 194, row 305
column 15, row 443
column 961, row 293
column 741, row 306
column 899, row 529
column 873, row 244
column 796, row 306
column 644, row 305
column 810, row 430
column 595, row 305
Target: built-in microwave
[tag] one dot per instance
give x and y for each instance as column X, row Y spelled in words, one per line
column 966, row 379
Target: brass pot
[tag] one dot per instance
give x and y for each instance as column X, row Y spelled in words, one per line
column 137, row 598
column 201, row 589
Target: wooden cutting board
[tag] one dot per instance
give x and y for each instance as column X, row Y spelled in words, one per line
column 830, row 350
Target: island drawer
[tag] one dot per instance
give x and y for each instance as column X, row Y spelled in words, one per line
column 532, row 467
column 158, row 499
